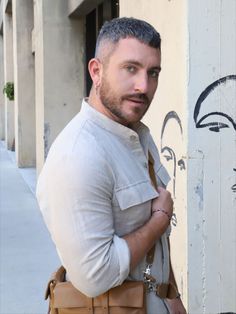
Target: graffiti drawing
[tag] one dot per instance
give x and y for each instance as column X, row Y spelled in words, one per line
column 169, row 151
column 220, row 96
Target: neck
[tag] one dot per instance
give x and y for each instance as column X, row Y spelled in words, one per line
column 95, row 102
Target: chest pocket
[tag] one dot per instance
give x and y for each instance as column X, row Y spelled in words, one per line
column 132, row 206
column 132, row 202
column 135, row 194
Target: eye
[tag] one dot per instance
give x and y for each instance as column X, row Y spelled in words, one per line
column 181, row 164
column 167, row 153
column 131, row 68
column 168, row 157
column 153, row 74
column 217, row 126
column 210, row 120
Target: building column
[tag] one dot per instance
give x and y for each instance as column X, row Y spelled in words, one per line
column 2, row 105
column 212, row 156
column 8, row 77
column 59, row 70
column 22, row 12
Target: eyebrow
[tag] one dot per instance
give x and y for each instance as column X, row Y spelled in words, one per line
column 134, row 62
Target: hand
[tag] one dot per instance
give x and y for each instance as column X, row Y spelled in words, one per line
column 176, row 306
column 163, row 201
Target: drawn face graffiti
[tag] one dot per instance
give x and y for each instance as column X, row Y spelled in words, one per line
column 215, row 111
column 170, row 147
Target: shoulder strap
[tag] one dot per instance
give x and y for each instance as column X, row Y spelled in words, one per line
column 151, row 252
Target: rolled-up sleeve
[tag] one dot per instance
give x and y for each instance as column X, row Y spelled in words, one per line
column 74, row 194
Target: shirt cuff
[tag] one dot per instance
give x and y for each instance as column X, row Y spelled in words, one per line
column 123, row 254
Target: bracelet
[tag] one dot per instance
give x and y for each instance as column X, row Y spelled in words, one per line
column 163, row 211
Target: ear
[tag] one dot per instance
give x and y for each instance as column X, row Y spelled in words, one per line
column 95, row 71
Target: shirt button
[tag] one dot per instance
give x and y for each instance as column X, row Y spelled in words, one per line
column 146, row 165
column 133, row 138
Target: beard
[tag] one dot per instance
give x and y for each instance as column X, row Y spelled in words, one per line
column 114, row 103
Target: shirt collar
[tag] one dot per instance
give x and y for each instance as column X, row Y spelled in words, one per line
column 139, row 132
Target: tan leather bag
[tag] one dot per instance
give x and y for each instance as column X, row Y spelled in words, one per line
column 129, row 298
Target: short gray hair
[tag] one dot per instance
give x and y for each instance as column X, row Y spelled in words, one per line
column 119, row 28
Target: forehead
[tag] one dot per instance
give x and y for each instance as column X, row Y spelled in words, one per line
column 128, row 49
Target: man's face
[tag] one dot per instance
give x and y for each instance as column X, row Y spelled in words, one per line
column 129, row 80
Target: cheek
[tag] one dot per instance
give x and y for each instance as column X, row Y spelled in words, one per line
column 152, row 88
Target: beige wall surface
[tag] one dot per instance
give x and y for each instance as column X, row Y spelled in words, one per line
column 2, row 105
column 212, row 161
column 24, row 83
column 8, row 77
column 59, row 56
column 167, row 114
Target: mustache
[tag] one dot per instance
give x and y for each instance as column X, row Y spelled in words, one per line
column 137, row 96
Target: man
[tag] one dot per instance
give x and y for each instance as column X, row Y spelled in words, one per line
column 95, row 191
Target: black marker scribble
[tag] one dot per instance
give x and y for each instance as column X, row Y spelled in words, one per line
column 214, row 126
column 233, row 188
column 167, row 151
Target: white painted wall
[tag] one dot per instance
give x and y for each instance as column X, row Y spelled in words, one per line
column 212, row 158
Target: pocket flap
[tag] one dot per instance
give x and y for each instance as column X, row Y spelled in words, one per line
column 135, row 194
column 130, row 294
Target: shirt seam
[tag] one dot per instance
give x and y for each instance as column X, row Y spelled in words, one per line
column 131, row 185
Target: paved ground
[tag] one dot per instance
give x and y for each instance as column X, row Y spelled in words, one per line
column 27, row 255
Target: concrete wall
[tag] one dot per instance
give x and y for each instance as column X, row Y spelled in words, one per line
column 167, row 114
column 24, row 83
column 59, row 68
column 198, row 49
column 2, row 105
column 8, row 77
column 212, row 161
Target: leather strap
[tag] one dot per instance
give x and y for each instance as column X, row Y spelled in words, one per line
column 162, row 290
column 90, row 307
column 105, row 303
column 151, row 252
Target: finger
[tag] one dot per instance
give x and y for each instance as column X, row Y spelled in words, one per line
column 160, row 189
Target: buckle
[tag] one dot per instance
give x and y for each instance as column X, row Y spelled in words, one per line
column 149, row 280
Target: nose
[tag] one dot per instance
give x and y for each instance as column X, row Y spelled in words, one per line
column 141, row 83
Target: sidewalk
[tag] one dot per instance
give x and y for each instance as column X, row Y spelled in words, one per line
column 27, row 254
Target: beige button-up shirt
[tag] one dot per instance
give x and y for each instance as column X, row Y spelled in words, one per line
column 95, row 188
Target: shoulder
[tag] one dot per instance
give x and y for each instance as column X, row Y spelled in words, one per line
column 76, row 156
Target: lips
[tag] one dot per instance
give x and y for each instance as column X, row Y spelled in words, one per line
column 137, row 101
column 137, row 98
